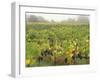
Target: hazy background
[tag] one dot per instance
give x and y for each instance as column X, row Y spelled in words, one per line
column 38, row 17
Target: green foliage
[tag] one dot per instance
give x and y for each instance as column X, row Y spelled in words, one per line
column 61, row 39
column 32, row 50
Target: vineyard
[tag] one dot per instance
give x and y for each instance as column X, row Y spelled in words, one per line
column 54, row 44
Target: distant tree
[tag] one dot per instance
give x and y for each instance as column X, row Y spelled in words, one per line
column 83, row 19
column 33, row 18
column 41, row 19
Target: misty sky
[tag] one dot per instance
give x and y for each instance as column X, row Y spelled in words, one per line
column 55, row 17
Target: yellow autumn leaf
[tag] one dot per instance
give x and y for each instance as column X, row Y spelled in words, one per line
column 28, row 61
